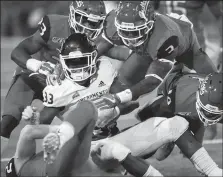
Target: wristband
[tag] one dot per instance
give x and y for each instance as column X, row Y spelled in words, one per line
column 33, row 64
column 125, row 96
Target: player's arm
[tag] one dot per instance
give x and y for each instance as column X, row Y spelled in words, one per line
column 109, row 150
column 155, row 75
column 21, row 55
column 103, row 45
column 139, row 167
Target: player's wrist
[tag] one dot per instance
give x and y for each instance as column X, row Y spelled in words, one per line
column 124, row 96
column 33, row 64
column 120, row 152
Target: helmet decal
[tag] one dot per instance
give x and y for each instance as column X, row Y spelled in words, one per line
column 144, row 5
column 79, row 3
column 203, row 86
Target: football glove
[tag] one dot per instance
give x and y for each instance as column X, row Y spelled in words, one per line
column 31, row 115
column 109, row 101
column 46, row 68
column 57, row 76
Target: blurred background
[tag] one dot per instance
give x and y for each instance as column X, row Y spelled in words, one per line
column 21, row 18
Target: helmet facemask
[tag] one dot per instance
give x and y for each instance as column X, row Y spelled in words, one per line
column 79, row 66
column 208, row 114
column 82, row 22
column 133, row 35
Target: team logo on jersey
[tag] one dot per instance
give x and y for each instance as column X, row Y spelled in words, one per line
column 58, row 40
column 75, row 95
column 80, row 3
column 101, row 84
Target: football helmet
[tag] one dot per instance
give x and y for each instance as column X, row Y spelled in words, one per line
column 78, row 57
column 209, row 99
column 134, row 20
column 87, row 17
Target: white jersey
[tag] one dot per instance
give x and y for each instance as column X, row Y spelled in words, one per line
column 70, row 93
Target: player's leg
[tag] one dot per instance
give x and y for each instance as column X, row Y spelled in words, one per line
column 194, row 151
column 18, row 97
column 148, row 136
column 26, row 146
column 75, row 138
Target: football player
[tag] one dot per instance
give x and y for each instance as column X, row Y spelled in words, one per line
column 189, row 100
column 151, row 37
column 203, row 108
column 69, row 142
column 84, row 17
column 86, row 77
column 193, row 10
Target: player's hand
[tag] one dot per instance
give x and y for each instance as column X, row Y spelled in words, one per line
column 109, row 101
column 46, row 68
column 108, row 149
column 31, row 114
column 57, row 76
column 106, row 114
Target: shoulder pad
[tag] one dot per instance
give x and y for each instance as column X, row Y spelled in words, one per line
column 109, row 29
column 44, row 28
column 168, row 47
column 10, row 169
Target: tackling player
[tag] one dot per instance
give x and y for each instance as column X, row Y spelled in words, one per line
column 198, row 99
column 151, row 37
column 193, row 10
column 84, row 17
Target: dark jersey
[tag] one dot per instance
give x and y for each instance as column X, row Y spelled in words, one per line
column 53, row 29
column 180, row 89
column 171, row 37
column 192, row 9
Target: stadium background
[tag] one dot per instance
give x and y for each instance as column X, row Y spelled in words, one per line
column 19, row 19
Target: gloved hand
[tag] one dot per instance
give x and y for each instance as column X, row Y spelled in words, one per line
column 31, row 115
column 106, row 113
column 57, row 76
column 46, row 68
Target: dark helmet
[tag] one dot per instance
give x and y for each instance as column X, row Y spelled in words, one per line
column 209, row 102
column 134, row 20
column 78, row 57
column 87, row 17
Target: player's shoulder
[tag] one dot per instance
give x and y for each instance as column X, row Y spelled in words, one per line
column 171, row 35
column 50, row 24
column 109, row 29
column 165, row 36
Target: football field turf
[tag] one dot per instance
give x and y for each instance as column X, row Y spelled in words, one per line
column 174, row 165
